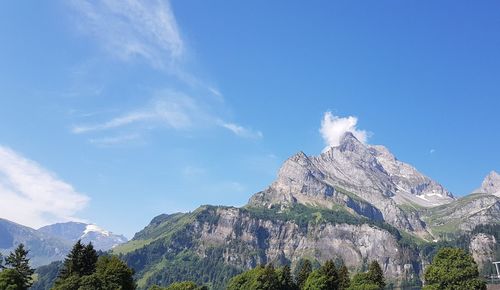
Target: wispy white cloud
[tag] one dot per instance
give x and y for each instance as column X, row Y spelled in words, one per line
column 129, row 29
column 168, row 108
column 148, row 30
column 432, row 151
column 334, row 127
column 241, row 131
column 32, row 195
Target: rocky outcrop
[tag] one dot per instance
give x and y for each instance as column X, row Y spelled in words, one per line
column 249, row 241
column 483, row 247
column 491, row 184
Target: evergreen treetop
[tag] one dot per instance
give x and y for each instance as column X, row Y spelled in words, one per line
column 19, row 262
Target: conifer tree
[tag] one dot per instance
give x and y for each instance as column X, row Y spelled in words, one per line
column 304, row 271
column 89, row 260
column 330, row 272
column 73, row 262
column 268, row 279
column 285, row 278
column 344, row 280
column 19, row 262
column 376, row 275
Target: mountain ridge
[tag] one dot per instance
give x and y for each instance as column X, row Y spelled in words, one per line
column 352, row 203
column 52, row 243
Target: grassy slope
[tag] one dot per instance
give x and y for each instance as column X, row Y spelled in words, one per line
column 438, row 218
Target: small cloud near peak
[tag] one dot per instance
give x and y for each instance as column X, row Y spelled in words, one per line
column 334, row 127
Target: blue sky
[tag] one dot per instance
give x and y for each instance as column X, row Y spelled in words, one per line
column 116, row 111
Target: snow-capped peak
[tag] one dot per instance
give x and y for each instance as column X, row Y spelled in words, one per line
column 94, row 228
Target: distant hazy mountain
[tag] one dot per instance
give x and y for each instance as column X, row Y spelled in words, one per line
column 43, row 248
column 52, row 243
column 354, row 203
column 73, row 231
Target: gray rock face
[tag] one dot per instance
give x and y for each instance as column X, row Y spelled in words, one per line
column 367, row 179
column 482, row 247
column 284, row 241
column 491, row 184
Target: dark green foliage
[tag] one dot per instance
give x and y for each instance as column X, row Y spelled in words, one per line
column 246, row 279
column 114, row 273
column 344, row 280
column 373, row 279
column 94, row 282
column 186, row 265
column 84, row 270
column 73, row 264
column 376, row 275
column 10, row 279
column 285, row 278
column 47, row 275
column 19, row 262
column 89, row 260
column 330, row 272
column 81, row 261
column 68, row 283
column 362, row 281
column 316, row 281
column 263, row 277
column 185, row 285
column 453, row 268
column 268, row 279
column 303, row 273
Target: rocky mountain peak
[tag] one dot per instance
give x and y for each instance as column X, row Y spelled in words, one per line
column 350, row 143
column 491, row 184
column 370, row 172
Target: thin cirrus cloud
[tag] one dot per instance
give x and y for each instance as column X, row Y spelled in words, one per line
column 168, row 109
column 148, row 30
column 133, row 29
column 334, row 127
column 32, row 195
column 241, row 131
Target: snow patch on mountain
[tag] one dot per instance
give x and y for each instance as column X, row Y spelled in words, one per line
column 94, row 228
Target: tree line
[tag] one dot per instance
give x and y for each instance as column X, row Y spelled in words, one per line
column 85, row 269
column 326, row 277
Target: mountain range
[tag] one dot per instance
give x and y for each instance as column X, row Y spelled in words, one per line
column 352, row 203
column 53, row 242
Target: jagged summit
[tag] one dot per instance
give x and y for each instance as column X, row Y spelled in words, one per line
column 491, row 184
column 376, row 182
column 349, row 143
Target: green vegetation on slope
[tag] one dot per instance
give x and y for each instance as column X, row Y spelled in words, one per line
column 440, row 219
